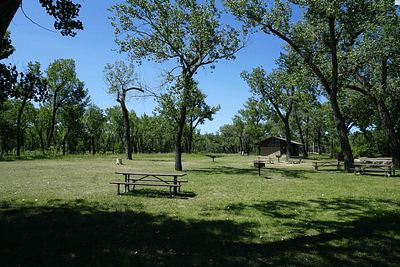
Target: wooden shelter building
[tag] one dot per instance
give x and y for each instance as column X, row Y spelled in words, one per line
column 276, row 146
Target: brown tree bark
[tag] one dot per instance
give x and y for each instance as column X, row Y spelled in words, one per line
column 179, row 129
column 127, row 129
column 8, row 8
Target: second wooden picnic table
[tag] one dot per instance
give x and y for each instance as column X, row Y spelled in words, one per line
column 320, row 164
column 361, row 168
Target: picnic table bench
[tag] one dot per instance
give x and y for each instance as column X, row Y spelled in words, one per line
column 319, row 164
column 174, row 183
column 362, row 168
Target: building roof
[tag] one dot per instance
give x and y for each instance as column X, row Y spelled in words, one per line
column 282, row 139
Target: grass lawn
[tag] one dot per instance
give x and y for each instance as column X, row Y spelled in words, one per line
column 64, row 212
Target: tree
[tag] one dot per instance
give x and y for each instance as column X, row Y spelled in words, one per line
column 63, row 11
column 197, row 109
column 185, row 33
column 328, row 30
column 71, row 124
column 373, row 62
column 114, row 125
column 255, row 116
column 198, row 112
column 8, row 74
column 120, row 79
column 65, row 89
column 278, row 90
column 94, row 120
column 32, row 86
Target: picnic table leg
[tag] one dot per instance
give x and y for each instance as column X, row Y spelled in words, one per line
column 175, row 182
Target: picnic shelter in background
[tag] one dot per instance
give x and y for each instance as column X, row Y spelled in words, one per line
column 276, row 146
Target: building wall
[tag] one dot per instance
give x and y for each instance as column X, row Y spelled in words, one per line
column 270, row 151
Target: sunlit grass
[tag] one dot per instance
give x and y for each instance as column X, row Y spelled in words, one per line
column 60, row 212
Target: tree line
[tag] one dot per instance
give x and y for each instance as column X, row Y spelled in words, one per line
column 344, row 52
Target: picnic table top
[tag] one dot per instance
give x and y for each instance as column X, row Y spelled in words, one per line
column 373, row 164
column 332, row 161
column 151, row 173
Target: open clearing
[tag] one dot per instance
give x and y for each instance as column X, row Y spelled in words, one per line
column 63, row 212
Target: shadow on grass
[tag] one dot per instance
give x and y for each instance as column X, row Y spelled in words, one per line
column 87, row 234
column 265, row 172
column 158, row 193
column 291, row 173
column 224, row 170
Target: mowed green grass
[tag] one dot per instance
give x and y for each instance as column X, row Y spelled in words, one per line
column 64, row 212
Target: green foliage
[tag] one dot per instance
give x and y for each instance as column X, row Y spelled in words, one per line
column 6, row 49
column 8, row 74
column 119, row 148
column 120, row 78
column 64, row 13
column 186, row 31
column 369, row 144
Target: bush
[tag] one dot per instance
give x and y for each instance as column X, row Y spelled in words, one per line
column 119, row 148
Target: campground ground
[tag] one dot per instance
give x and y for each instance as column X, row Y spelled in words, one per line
column 64, row 212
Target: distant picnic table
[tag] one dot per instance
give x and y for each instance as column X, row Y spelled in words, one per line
column 362, row 168
column 323, row 164
column 158, row 179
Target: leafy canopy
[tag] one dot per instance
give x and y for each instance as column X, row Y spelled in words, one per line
column 185, row 31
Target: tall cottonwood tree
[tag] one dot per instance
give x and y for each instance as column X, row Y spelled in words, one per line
column 278, row 90
column 327, row 31
column 31, row 86
column 120, row 80
column 197, row 109
column 94, row 120
column 373, row 62
column 65, row 89
column 185, row 33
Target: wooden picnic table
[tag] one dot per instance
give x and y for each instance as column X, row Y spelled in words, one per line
column 319, row 164
column 145, row 181
column 362, row 168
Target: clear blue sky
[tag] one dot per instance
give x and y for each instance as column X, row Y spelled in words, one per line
column 92, row 50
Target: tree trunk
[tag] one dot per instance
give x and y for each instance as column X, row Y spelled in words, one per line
column 7, row 12
column 390, row 133
column 305, row 153
column 127, row 131
column 177, row 145
column 64, row 140
column 93, row 145
column 53, row 120
column 288, row 138
column 179, row 129
column 319, row 142
column 178, row 138
column 384, row 115
column 19, row 131
column 342, row 132
column 190, row 139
